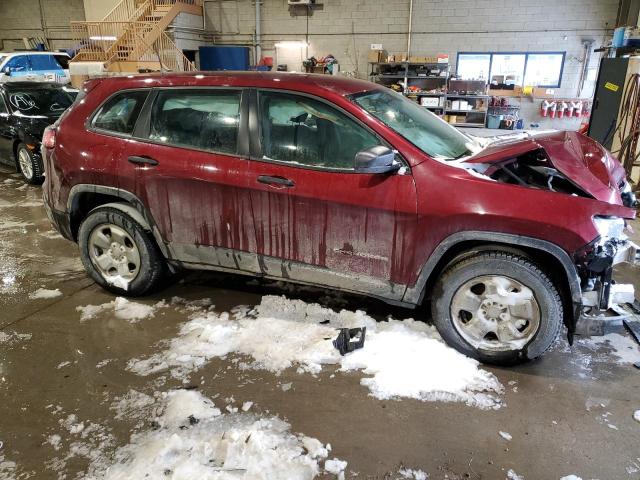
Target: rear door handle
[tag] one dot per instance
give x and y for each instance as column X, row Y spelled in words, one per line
column 280, row 181
column 142, row 160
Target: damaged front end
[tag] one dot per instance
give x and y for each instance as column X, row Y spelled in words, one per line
column 571, row 164
column 595, row 264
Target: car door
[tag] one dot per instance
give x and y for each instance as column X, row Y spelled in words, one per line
column 316, row 219
column 186, row 164
column 45, row 68
column 7, row 133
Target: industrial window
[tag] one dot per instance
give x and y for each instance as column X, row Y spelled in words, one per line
column 304, row 131
column 474, row 66
column 120, row 113
column 544, row 69
column 203, row 119
column 538, row 69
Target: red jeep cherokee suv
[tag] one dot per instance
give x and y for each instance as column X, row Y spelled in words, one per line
column 344, row 184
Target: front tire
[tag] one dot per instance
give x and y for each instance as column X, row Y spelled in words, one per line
column 29, row 165
column 499, row 308
column 119, row 254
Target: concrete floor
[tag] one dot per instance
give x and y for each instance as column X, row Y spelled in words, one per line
column 556, row 407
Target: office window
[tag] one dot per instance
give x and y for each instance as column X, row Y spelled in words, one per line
column 538, row 69
column 544, row 69
column 507, row 68
column 474, row 66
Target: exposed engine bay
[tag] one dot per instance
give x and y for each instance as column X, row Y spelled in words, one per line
column 532, row 169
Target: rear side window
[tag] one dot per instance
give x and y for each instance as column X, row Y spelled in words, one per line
column 120, row 112
column 44, row 62
column 202, row 119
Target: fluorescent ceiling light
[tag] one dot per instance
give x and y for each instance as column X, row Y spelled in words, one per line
column 106, row 37
column 292, row 44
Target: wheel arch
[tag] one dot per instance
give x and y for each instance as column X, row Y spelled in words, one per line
column 84, row 198
column 553, row 260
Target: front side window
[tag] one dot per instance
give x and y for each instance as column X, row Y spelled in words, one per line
column 304, row 131
column 202, row 119
column 425, row 130
column 120, row 112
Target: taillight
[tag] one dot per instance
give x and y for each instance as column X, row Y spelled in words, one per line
column 49, row 137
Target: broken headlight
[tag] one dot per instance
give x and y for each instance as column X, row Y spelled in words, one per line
column 609, row 228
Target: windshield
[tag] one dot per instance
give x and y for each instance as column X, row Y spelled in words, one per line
column 48, row 102
column 425, row 130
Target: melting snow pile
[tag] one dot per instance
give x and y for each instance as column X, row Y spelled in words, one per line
column 43, row 293
column 192, row 439
column 401, row 358
column 413, row 474
column 122, row 308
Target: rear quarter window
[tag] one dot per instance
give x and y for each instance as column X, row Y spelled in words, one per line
column 120, row 112
column 44, row 62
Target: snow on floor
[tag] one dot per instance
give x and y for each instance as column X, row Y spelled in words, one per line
column 190, row 438
column 401, row 358
column 412, row 474
column 43, row 293
column 11, row 338
column 122, row 308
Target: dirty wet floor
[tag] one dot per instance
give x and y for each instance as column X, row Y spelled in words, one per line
column 71, row 395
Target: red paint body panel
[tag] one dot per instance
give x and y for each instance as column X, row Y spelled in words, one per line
column 381, row 226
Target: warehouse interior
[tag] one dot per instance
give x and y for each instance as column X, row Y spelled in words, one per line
column 343, row 314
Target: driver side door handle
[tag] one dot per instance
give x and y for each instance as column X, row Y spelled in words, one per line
column 142, row 160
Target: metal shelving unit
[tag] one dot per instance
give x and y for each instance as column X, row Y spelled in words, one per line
column 478, row 115
column 409, row 78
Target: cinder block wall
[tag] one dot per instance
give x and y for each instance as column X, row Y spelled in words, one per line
column 346, row 29
column 24, row 18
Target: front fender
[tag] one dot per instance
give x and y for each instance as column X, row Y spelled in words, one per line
column 415, row 294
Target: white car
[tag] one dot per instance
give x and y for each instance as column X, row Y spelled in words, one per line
column 35, row 66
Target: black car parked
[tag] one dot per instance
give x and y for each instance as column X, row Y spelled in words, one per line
column 26, row 109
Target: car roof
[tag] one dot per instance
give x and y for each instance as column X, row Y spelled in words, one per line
column 281, row 80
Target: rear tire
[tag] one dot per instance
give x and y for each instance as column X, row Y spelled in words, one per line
column 497, row 307
column 119, row 254
column 29, row 165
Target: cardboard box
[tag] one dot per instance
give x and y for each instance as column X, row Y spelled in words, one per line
column 377, row 56
column 539, row 92
column 430, row 101
column 401, row 57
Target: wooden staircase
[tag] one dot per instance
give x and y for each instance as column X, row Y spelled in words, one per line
column 132, row 37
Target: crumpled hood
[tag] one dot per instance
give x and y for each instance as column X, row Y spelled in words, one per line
column 579, row 158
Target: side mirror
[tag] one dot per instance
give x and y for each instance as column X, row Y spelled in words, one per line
column 378, row 159
column 7, row 71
